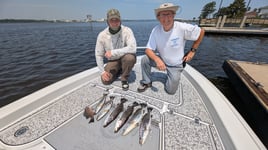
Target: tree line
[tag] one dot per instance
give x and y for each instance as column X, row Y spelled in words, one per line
column 237, row 9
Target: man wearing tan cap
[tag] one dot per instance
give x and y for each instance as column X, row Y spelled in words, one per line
column 117, row 44
column 165, row 48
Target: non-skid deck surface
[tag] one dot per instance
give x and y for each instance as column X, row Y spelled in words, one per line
column 180, row 121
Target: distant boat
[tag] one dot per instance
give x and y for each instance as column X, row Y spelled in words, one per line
column 198, row 116
column 100, row 20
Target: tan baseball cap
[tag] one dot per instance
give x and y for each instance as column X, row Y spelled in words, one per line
column 113, row 13
column 165, row 7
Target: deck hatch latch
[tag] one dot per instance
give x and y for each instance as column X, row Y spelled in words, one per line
column 197, row 120
column 21, row 131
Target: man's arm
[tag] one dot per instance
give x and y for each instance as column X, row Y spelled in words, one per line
column 195, row 45
column 99, row 54
column 199, row 40
column 159, row 62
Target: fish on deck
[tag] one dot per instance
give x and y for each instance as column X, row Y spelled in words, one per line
column 106, row 108
column 124, row 117
column 145, row 126
column 101, row 103
column 113, row 115
column 135, row 119
column 89, row 113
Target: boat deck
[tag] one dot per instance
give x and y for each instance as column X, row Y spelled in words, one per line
column 198, row 116
column 179, row 121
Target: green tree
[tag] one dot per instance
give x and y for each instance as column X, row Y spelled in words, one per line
column 235, row 10
column 222, row 11
column 208, row 9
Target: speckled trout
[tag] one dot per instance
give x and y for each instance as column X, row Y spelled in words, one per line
column 124, row 117
column 101, row 103
column 113, row 115
column 135, row 119
column 106, row 108
column 145, row 126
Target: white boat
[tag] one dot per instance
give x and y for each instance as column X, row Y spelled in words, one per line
column 198, row 116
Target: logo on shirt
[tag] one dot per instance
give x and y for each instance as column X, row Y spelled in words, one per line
column 174, row 42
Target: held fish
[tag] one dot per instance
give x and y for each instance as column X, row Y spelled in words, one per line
column 101, row 103
column 135, row 119
column 106, row 108
column 89, row 113
column 145, row 126
column 119, row 108
column 124, row 117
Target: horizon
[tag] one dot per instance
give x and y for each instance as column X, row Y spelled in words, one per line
column 78, row 10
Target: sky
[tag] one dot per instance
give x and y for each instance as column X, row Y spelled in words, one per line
column 129, row 9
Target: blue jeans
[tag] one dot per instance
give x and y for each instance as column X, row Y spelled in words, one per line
column 173, row 74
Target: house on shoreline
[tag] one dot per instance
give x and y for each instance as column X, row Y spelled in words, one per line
column 263, row 12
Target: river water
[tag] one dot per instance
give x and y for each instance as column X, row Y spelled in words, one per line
column 34, row 55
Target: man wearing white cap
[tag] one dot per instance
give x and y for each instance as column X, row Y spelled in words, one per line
column 117, row 44
column 165, row 48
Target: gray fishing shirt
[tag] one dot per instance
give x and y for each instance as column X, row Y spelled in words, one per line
column 120, row 44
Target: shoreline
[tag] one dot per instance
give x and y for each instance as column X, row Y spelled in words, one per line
column 236, row 31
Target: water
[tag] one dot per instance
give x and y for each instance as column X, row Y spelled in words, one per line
column 34, row 55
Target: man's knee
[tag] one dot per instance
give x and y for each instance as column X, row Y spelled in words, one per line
column 145, row 59
column 172, row 87
column 171, row 91
column 129, row 58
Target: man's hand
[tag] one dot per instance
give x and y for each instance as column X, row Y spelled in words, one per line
column 106, row 76
column 189, row 56
column 108, row 54
column 160, row 64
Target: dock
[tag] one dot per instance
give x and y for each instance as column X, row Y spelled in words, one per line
column 236, row 31
column 250, row 80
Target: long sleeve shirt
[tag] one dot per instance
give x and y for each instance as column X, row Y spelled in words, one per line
column 120, row 44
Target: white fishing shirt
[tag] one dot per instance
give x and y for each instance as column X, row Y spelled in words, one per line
column 120, row 44
column 170, row 45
